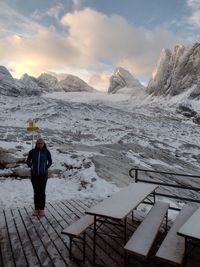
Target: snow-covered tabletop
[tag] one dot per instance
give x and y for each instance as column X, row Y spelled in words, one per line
column 120, row 204
column 191, row 227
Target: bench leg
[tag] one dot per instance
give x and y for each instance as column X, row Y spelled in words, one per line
column 84, row 247
column 132, row 215
column 84, row 244
column 125, row 229
column 166, row 222
column 94, row 242
column 126, row 259
column 185, row 254
column 147, row 262
column 70, row 247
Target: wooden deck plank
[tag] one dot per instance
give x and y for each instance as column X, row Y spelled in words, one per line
column 42, row 243
column 56, row 237
column 52, row 251
column 29, row 250
column 15, row 241
column 6, row 249
column 31, row 226
column 57, row 217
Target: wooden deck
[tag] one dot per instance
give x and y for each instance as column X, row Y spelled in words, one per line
column 31, row 241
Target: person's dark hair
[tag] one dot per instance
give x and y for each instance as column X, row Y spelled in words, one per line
column 40, row 140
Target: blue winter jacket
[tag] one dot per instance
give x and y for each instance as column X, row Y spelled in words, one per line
column 39, row 160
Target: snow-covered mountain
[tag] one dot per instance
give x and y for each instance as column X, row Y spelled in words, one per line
column 123, row 81
column 72, row 83
column 177, row 72
column 48, row 82
column 31, row 86
column 8, row 85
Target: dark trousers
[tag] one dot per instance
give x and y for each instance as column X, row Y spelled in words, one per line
column 39, row 186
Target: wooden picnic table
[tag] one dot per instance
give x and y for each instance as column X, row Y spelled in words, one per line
column 119, row 205
column 190, row 229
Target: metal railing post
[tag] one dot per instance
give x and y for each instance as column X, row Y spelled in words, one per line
column 136, row 175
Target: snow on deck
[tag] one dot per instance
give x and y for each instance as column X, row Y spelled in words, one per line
column 30, row 241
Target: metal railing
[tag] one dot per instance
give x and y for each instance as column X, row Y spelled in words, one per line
column 166, row 188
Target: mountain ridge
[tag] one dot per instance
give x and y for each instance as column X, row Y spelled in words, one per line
column 122, row 80
column 177, row 71
column 45, row 83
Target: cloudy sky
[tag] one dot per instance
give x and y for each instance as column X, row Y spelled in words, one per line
column 89, row 38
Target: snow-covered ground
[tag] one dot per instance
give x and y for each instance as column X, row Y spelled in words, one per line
column 95, row 138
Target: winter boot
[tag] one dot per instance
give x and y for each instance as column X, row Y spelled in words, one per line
column 35, row 213
column 41, row 213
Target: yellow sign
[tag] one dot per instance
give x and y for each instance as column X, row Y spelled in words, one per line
column 32, row 127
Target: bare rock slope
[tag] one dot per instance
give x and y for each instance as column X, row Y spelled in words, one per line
column 177, row 72
column 123, row 81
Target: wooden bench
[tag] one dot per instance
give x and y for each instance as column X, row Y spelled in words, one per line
column 76, row 229
column 173, row 247
column 142, row 239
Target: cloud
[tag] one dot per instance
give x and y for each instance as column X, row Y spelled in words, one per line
column 194, row 19
column 51, row 12
column 87, row 40
column 38, row 53
column 77, row 4
column 12, row 22
column 100, row 80
column 193, row 4
column 98, row 36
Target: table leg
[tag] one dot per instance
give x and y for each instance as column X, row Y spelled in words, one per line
column 166, row 222
column 70, row 247
column 125, row 229
column 84, row 244
column 94, row 242
column 186, row 253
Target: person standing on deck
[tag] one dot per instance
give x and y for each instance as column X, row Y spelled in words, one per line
column 39, row 160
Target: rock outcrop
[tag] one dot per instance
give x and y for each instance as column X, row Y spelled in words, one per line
column 122, row 78
column 30, row 86
column 177, row 72
column 48, row 83
column 73, row 83
column 8, row 85
column 186, row 110
column 196, row 119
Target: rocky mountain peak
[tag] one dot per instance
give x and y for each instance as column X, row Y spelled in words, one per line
column 48, row 82
column 29, row 85
column 177, row 72
column 4, row 71
column 122, row 78
column 8, row 85
column 72, row 83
